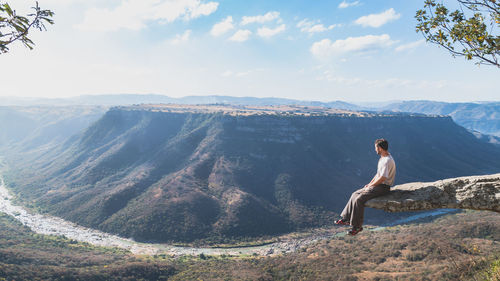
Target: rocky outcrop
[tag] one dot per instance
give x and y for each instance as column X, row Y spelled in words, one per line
column 476, row 193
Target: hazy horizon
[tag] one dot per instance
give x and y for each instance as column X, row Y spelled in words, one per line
column 361, row 102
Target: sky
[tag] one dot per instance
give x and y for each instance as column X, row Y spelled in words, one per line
column 349, row 50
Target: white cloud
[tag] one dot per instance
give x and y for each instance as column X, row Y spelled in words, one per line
column 332, row 26
column 241, row 35
column 346, row 4
column 199, row 10
column 327, row 48
column 222, row 27
column 134, row 14
column 181, row 38
column 270, row 16
column 377, row 20
column 309, row 26
column 306, row 25
column 317, row 28
column 409, row 46
column 268, row 32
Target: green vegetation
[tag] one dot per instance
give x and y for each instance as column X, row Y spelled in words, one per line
column 434, row 251
column 445, row 249
column 475, row 37
column 25, row 255
column 14, row 27
column 493, row 273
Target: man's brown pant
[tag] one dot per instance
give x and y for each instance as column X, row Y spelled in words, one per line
column 354, row 209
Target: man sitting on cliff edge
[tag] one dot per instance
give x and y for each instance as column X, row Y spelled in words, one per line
column 380, row 185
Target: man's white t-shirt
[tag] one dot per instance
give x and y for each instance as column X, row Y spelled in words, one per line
column 387, row 168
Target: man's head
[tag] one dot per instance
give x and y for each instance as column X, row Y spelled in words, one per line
column 381, row 145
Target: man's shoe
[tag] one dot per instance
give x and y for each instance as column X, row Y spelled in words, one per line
column 355, row 230
column 342, row 222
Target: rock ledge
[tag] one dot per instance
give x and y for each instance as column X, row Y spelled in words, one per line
column 475, row 192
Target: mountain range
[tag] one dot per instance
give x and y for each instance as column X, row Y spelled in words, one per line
column 481, row 117
column 131, row 99
column 184, row 173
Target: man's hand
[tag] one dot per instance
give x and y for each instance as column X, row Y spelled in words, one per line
column 376, row 181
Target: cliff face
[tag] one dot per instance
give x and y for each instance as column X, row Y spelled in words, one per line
column 164, row 175
column 476, row 193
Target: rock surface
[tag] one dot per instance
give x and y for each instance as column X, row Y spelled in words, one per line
column 476, row 193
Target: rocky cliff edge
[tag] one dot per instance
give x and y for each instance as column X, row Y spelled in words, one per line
column 475, row 192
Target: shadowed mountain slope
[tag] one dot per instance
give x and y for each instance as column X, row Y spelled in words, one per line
column 168, row 173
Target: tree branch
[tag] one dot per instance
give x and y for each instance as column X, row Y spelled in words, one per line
column 21, row 26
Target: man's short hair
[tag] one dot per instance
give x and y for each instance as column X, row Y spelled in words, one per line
column 382, row 143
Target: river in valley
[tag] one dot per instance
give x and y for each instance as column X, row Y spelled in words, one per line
column 50, row 225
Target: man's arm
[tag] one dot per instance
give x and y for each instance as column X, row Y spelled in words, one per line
column 373, row 179
column 376, row 181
